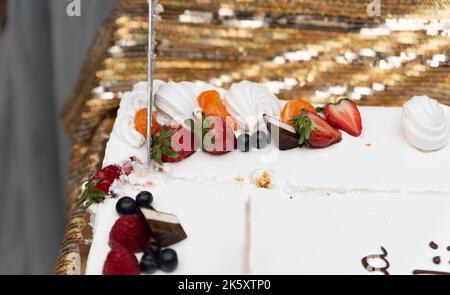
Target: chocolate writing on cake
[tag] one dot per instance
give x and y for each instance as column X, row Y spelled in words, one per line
column 370, row 268
column 436, row 260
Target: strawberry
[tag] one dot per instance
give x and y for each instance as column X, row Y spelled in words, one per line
column 104, row 185
column 94, row 192
column 314, row 131
column 110, row 173
column 217, row 137
column 344, row 115
column 172, row 145
column 106, row 177
column 99, row 185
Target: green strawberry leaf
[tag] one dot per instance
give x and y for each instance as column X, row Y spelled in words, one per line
column 91, row 195
column 320, row 110
column 162, row 145
column 302, row 125
column 202, row 126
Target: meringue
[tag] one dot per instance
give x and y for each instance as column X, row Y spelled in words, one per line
column 178, row 101
column 130, row 103
column 425, row 123
column 248, row 102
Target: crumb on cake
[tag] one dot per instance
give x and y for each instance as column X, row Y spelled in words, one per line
column 239, row 179
column 263, row 180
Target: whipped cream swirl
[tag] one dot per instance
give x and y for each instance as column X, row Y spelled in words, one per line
column 248, row 102
column 425, row 123
column 178, row 101
column 130, row 103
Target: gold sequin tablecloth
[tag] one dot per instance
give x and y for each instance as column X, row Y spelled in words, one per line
column 317, row 50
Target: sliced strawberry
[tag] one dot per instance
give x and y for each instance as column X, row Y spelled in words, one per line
column 106, row 177
column 104, row 185
column 99, row 185
column 111, row 173
column 345, row 116
column 181, row 156
column 217, row 137
column 173, row 144
column 314, row 131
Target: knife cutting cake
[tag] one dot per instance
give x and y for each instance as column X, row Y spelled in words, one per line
column 243, row 183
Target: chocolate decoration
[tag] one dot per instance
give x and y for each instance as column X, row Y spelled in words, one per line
column 281, row 133
column 369, row 268
column 433, row 245
column 436, row 260
column 164, row 227
column 429, row 272
column 448, row 248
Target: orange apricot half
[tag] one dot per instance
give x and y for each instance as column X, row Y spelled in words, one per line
column 140, row 122
column 294, row 108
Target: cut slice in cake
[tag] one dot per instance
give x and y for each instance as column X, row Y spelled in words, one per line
column 212, row 216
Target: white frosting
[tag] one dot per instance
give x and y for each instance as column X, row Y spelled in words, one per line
column 379, row 160
column 130, row 103
column 218, row 230
column 313, row 234
column 425, row 123
column 178, row 101
column 356, row 224
column 142, row 86
column 247, row 102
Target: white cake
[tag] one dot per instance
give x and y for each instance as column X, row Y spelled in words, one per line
column 326, row 211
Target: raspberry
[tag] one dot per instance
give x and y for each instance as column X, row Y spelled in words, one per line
column 129, row 232
column 121, row 262
column 111, row 173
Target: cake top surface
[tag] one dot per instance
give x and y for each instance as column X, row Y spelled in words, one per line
column 371, row 193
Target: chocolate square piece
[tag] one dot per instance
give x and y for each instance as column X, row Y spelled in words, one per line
column 282, row 134
column 165, row 227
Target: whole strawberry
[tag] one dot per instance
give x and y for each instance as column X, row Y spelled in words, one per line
column 120, row 261
column 129, row 232
column 173, row 144
column 217, row 136
column 314, row 131
column 344, row 115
